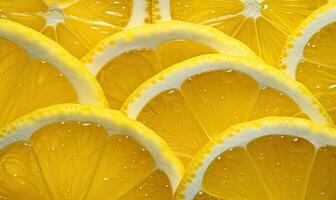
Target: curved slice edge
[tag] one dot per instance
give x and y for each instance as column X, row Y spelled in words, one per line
column 150, row 36
column 40, row 46
column 265, row 75
column 112, row 120
column 241, row 135
column 296, row 42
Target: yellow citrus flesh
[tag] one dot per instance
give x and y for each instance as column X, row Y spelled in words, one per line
column 28, row 83
column 78, row 160
column 262, row 25
column 317, row 69
column 208, row 103
column 272, row 167
column 123, row 74
column 76, row 25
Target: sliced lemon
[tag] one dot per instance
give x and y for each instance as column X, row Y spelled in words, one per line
column 272, row 158
column 73, row 151
column 309, row 56
column 195, row 100
column 77, row 25
column 36, row 72
column 125, row 60
column 261, row 24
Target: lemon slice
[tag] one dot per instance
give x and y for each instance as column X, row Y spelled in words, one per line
column 74, row 151
column 125, row 60
column 78, row 25
column 261, row 24
column 310, row 53
column 36, row 72
column 273, row 158
column 193, row 101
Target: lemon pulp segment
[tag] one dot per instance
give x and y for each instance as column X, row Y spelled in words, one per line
column 206, row 104
column 28, row 83
column 317, row 68
column 123, row 74
column 77, row 25
column 262, row 25
column 272, row 167
column 79, row 160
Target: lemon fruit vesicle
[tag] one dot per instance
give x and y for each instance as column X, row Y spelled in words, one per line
column 309, row 56
column 80, row 152
column 76, row 25
column 194, row 100
column 128, row 58
column 36, row 72
column 261, row 24
column 271, row 158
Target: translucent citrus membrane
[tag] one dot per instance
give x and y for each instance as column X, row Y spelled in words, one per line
column 262, row 25
column 123, row 74
column 76, row 25
column 73, row 160
column 28, row 83
column 207, row 104
column 317, row 69
column 273, row 167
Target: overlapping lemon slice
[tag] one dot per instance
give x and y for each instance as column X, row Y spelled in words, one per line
column 36, row 72
column 261, row 24
column 125, row 60
column 77, row 25
column 74, row 151
column 310, row 55
column 193, row 101
column 272, row 158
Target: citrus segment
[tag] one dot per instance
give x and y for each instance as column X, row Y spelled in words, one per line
column 76, row 25
column 36, row 72
column 67, row 147
column 193, row 101
column 169, row 111
column 272, row 158
column 81, row 152
column 20, row 175
column 322, row 183
column 262, row 25
column 309, row 56
column 125, row 60
column 236, row 175
column 29, row 83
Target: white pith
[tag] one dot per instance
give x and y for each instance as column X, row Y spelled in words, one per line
column 113, row 121
column 53, row 16
column 252, row 8
column 153, row 35
column 48, row 50
column 139, row 13
column 266, row 76
column 242, row 134
column 312, row 25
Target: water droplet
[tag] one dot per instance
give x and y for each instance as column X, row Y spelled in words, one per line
column 218, row 158
column 295, row 139
column 106, row 179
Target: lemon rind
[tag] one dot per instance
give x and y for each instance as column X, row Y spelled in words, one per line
column 241, row 135
column 296, row 42
column 265, row 75
column 150, row 36
column 113, row 121
column 37, row 45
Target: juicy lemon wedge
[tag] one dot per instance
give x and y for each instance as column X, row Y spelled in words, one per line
column 80, row 152
column 193, row 101
column 272, row 158
column 77, row 25
column 36, row 72
column 125, row 60
column 261, row 24
column 310, row 53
